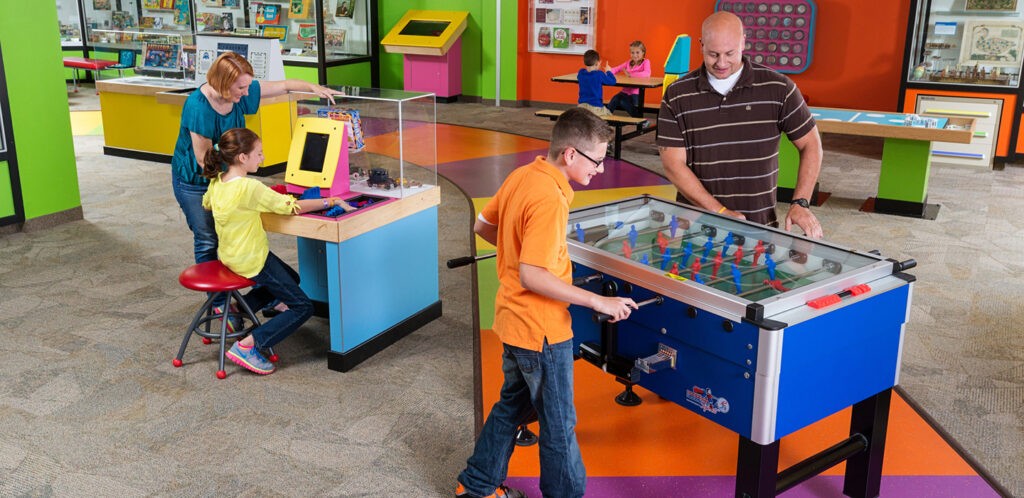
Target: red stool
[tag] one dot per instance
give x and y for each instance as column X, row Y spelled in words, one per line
column 216, row 279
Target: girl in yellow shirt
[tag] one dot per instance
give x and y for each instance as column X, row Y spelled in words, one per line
column 236, row 202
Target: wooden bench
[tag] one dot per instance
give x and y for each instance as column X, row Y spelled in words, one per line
column 639, row 125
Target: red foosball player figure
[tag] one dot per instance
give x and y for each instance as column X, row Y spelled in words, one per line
column 627, row 251
column 718, row 262
column 739, row 254
column 758, row 251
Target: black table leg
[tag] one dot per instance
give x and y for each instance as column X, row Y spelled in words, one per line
column 864, row 470
column 757, row 468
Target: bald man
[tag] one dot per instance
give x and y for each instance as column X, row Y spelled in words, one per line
column 719, row 129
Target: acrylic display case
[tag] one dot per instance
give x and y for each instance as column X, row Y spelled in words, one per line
column 562, row 27
column 392, row 137
column 163, row 54
column 345, row 24
column 976, row 43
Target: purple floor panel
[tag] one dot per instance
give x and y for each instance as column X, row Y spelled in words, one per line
column 723, row 486
column 482, row 177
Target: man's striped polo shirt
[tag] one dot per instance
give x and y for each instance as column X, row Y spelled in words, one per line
column 732, row 141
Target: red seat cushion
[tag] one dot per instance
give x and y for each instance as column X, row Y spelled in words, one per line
column 212, row 276
column 83, row 63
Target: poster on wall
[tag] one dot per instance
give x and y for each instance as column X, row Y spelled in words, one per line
column 992, row 43
column 562, row 27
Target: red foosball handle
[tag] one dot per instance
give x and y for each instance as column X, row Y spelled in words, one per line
column 831, row 299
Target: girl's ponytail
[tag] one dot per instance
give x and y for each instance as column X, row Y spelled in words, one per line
column 213, row 162
column 226, row 149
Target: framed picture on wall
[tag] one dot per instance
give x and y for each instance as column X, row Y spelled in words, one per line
column 992, row 5
column 562, row 26
column 992, row 43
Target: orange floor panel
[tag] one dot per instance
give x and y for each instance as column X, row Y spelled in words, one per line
column 454, row 143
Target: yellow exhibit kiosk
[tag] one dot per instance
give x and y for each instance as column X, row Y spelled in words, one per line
column 432, row 50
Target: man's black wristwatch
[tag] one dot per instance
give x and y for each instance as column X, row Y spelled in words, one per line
column 804, row 203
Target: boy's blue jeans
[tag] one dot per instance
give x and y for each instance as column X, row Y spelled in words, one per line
column 532, row 379
column 280, row 281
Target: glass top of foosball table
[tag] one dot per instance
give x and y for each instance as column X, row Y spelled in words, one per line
column 740, row 258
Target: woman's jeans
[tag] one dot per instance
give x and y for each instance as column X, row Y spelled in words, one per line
column 277, row 280
column 200, row 221
column 628, row 103
column 532, row 379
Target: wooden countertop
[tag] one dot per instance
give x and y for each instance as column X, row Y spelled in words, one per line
column 352, row 226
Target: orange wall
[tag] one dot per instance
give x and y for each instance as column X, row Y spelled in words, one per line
column 858, row 50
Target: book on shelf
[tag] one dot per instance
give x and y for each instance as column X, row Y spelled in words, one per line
column 158, row 22
column 307, row 31
column 334, row 38
column 227, row 21
column 150, row 4
column 147, row 21
column 584, row 15
column 232, row 3
column 278, row 31
column 579, row 39
column 345, row 8
column 560, row 37
column 268, row 13
column 101, row 4
column 571, row 16
column 206, row 21
column 299, row 9
column 182, row 12
column 161, row 56
column 167, row 4
column 121, row 19
column 247, row 31
column 211, row 3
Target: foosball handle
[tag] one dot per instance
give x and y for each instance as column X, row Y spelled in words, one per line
column 465, row 260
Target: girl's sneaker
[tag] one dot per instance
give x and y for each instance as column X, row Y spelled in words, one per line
column 250, row 359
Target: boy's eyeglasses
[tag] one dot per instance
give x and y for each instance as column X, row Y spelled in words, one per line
column 591, row 159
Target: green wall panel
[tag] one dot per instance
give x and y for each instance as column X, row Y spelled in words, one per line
column 39, row 107
column 301, row 73
column 350, row 75
column 478, row 44
column 6, row 194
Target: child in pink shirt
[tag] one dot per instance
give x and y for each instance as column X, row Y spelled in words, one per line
column 638, row 66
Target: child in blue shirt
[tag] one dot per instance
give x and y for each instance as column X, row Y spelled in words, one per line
column 592, row 80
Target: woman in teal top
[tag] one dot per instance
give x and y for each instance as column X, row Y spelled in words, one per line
column 231, row 92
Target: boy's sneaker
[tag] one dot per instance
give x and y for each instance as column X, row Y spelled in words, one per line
column 501, row 492
column 250, row 359
column 234, row 321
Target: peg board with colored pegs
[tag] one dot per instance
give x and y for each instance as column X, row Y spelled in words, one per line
column 779, row 33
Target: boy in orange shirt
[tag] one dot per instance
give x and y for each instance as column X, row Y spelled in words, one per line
column 527, row 221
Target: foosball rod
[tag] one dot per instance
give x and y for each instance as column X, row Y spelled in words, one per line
column 602, row 317
column 465, row 260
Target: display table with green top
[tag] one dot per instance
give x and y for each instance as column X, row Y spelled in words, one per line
column 906, row 156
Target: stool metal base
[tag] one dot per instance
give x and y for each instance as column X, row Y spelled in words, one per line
column 201, row 325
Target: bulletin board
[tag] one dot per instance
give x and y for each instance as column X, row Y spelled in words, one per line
column 562, row 27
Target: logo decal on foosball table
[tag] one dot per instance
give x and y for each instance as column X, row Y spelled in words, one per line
column 706, row 401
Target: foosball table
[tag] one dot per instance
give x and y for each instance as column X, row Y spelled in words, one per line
column 757, row 329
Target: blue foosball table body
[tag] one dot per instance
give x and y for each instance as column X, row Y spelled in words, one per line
column 744, row 348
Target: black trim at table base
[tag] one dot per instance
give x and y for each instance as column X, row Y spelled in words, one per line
column 901, row 208
column 272, row 169
column 784, row 195
column 343, row 362
column 136, row 154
